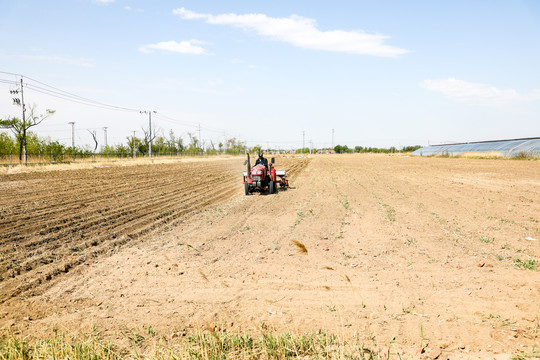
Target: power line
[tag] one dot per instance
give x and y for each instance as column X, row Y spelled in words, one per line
column 11, row 82
column 53, row 91
column 37, row 86
column 190, row 123
column 8, row 73
column 78, row 99
column 83, row 98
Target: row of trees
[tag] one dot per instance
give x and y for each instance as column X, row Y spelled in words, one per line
column 344, row 149
column 25, row 141
column 172, row 144
column 160, row 145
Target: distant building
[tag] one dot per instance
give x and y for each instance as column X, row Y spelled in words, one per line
column 528, row 147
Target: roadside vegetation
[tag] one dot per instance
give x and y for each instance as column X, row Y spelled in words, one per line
column 344, row 149
column 209, row 344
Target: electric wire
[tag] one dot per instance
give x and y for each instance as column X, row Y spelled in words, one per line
column 52, row 91
column 32, row 88
column 57, row 90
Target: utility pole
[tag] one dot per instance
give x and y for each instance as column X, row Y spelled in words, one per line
column 303, row 140
column 332, row 138
column 72, row 123
column 24, row 120
column 20, row 102
column 133, row 144
column 149, row 112
column 105, row 131
column 224, row 141
column 200, row 140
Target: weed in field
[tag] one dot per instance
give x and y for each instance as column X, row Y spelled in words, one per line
column 486, row 239
column 390, row 212
column 299, row 216
column 503, row 220
column 533, row 354
column 331, row 308
column 529, row 264
column 422, row 337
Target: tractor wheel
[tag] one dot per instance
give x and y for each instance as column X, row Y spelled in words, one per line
column 246, row 187
column 271, row 187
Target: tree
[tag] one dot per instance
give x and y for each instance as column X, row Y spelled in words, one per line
column 149, row 137
column 194, row 143
column 410, row 148
column 7, row 145
column 20, row 127
column 342, row 149
column 256, row 149
column 234, row 146
column 93, row 133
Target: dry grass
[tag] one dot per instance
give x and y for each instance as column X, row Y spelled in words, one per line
column 482, row 154
column 490, row 155
column 213, row 343
column 203, row 275
column 301, row 247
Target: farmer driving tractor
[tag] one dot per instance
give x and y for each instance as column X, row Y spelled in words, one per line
column 262, row 160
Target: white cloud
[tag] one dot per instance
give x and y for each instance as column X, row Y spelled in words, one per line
column 184, row 47
column 302, row 32
column 103, row 1
column 483, row 94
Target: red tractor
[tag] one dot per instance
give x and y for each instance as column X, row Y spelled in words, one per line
column 260, row 178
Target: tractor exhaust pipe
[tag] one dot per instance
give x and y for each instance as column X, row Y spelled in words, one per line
column 248, row 167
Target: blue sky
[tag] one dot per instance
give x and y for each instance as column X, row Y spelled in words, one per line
column 380, row 73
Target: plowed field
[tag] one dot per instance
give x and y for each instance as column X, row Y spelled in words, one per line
column 403, row 252
column 53, row 221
